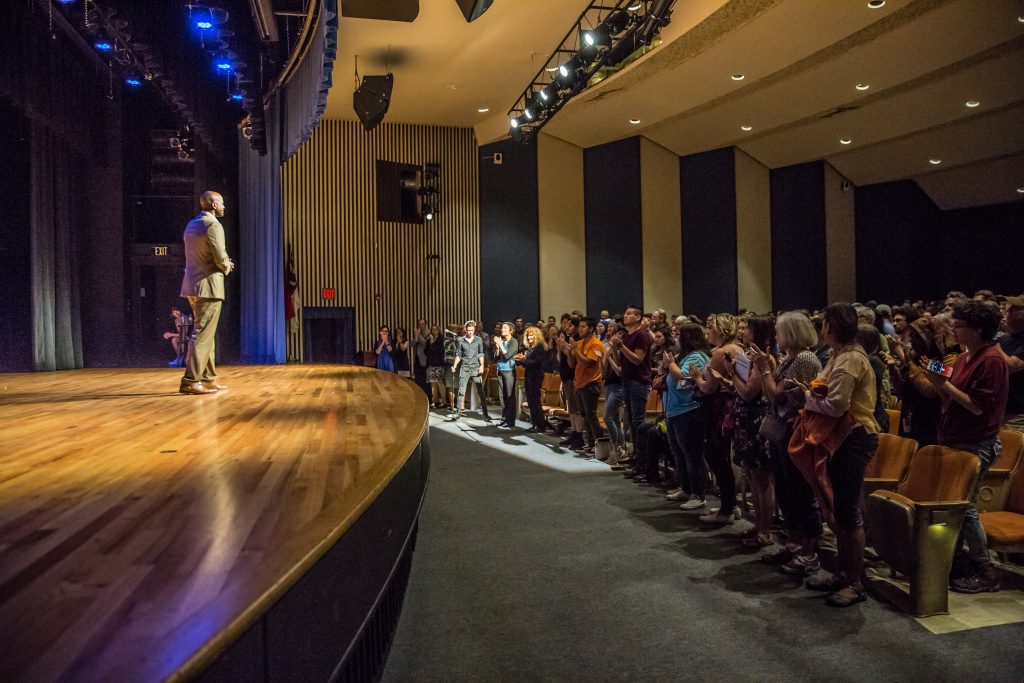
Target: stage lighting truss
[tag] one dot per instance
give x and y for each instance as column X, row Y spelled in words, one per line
column 605, row 35
column 429, row 191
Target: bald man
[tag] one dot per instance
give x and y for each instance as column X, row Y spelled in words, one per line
column 206, row 264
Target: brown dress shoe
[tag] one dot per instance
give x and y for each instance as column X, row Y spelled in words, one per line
column 214, row 384
column 195, row 388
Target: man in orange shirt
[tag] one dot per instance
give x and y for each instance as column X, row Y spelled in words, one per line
column 585, row 357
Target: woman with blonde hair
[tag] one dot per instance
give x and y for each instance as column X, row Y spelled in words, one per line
column 714, row 382
column 532, row 358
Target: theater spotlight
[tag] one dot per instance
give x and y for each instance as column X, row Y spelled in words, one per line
column 428, row 212
column 133, row 79
column 569, row 72
column 601, row 36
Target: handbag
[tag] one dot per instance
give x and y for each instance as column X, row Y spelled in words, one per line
column 773, row 428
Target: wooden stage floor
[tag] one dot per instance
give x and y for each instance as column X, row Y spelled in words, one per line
column 142, row 529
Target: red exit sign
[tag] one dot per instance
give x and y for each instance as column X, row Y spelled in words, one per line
column 328, row 293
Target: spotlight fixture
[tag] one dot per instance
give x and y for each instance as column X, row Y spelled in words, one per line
column 103, row 45
column 601, row 36
column 204, row 25
column 235, row 97
column 428, row 213
column 569, row 73
column 862, row 86
column 223, row 65
column 133, row 79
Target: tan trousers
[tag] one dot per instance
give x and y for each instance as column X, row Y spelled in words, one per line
column 199, row 365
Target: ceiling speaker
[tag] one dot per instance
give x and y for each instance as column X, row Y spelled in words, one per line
column 372, row 99
column 472, row 9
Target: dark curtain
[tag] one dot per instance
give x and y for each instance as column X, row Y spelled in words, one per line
column 56, row 213
column 305, row 93
column 261, row 246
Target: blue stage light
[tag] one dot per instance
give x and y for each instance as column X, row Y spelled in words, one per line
column 236, row 96
column 103, row 46
column 224, row 66
column 133, row 81
column 204, row 25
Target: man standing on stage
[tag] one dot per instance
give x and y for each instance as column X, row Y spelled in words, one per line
column 206, row 264
column 470, row 355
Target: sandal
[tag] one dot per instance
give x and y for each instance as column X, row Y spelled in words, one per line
column 846, row 596
column 757, row 541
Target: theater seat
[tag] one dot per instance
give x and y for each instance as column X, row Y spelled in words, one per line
column 1005, row 528
column 890, row 463
column 915, row 528
column 995, row 484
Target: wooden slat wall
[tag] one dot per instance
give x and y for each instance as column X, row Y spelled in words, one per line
column 381, row 268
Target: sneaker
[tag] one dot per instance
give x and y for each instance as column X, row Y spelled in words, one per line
column 984, row 581
column 693, row 504
column 716, row 518
column 676, row 494
column 801, row 565
column 780, row 556
column 590, row 451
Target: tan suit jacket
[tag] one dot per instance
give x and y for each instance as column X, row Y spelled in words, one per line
column 206, row 259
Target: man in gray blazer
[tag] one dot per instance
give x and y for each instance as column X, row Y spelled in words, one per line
column 206, row 264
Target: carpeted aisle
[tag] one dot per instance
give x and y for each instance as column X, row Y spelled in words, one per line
column 556, row 569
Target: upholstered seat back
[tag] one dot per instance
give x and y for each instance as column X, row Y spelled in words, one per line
column 938, row 473
column 892, row 459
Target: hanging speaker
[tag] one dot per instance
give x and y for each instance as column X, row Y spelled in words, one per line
column 372, row 99
column 472, row 9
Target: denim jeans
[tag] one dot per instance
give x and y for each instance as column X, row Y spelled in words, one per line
column 686, row 439
column 972, row 531
column 613, row 400
column 472, row 379
column 635, row 394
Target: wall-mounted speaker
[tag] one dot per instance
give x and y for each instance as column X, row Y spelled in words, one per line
column 372, row 99
column 472, row 9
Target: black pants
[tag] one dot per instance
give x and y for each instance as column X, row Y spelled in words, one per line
column 473, row 379
column 795, row 497
column 846, row 471
column 716, row 450
column 533, row 387
column 651, row 444
column 586, row 400
column 686, row 441
column 507, row 388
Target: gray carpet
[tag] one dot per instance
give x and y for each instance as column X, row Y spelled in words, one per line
column 524, row 572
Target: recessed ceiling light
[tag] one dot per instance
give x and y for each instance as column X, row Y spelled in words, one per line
column 483, row 110
column 862, row 86
column 1020, row 189
column 845, row 141
column 738, row 77
column 876, row 4
column 1020, row 19
column 935, row 162
column 972, row 103
column 634, row 121
column 747, row 128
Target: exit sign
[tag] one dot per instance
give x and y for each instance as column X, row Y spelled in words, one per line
column 159, row 251
column 328, row 293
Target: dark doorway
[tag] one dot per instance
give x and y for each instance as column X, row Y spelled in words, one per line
column 329, row 335
column 156, row 277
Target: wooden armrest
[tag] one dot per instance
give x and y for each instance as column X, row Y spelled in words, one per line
column 934, row 505
column 894, row 497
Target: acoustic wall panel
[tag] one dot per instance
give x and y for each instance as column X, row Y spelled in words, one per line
column 662, row 241
column 840, row 242
column 707, row 186
column 799, row 266
column 508, row 232
column 614, row 228
column 753, row 234
column 388, row 272
column 561, row 235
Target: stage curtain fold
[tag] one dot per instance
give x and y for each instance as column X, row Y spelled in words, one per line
column 56, row 211
column 305, row 94
column 261, row 246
